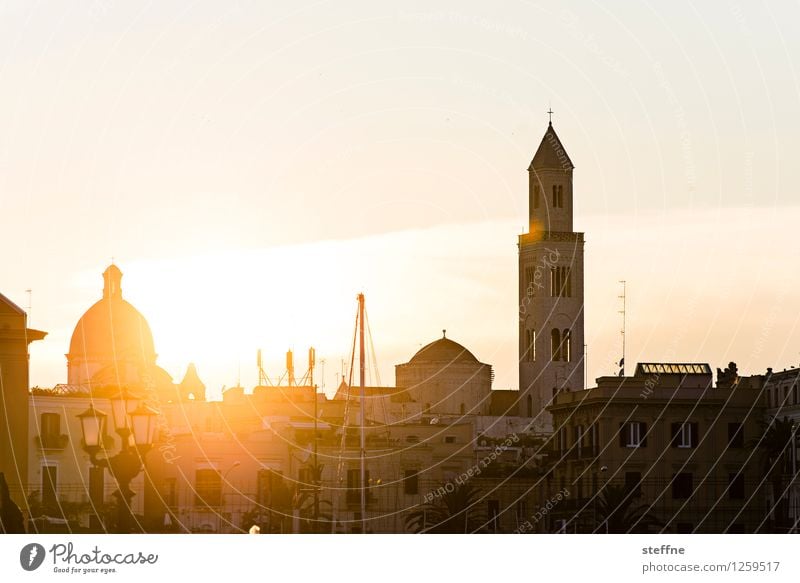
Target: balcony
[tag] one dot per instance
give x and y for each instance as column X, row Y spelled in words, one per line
column 51, row 441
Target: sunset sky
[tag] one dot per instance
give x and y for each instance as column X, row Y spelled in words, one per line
column 252, row 166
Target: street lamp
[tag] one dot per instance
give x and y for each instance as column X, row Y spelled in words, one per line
column 135, row 423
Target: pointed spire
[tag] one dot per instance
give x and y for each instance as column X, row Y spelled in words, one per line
column 551, row 154
column 112, row 282
column 191, row 386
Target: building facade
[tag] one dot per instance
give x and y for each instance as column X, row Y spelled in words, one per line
column 666, row 439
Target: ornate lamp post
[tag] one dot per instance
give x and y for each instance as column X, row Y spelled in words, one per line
column 135, row 423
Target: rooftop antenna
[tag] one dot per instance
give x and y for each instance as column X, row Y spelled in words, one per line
column 585, row 366
column 622, row 331
column 312, row 360
column 290, row 367
column 30, row 304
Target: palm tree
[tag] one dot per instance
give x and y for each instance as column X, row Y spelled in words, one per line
column 774, row 445
column 618, row 512
column 455, row 511
column 306, row 500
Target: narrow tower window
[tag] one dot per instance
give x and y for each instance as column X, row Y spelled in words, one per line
column 536, row 192
column 566, row 345
column 555, row 344
column 530, row 345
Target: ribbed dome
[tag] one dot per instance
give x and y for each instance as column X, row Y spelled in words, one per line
column 112, row 330
column 443, row 350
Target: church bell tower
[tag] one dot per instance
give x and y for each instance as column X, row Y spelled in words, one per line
column 550, row 286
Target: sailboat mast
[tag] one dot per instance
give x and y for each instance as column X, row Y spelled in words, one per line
column 361, row 363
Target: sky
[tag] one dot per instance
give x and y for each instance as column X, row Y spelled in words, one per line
column 252, row 166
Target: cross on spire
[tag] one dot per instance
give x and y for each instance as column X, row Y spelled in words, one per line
column 550, row 113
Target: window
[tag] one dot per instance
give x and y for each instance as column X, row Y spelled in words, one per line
column 561, row 345
column 682, row 485
column 558, row 196
column 354, row 485
column 411, row 482
column 412, row 439
column 208, row 487
column 536, row 194
column 566, row 345
column 530, row 345
column 736, row 486
column 684, row 435
column 530, row 281
column 633, row 434
column 97, row 486
column 579, row 437
column 562, row 440
column 529, row 404
column 735, row 435
column 522, row 511
column 267, row 481
column 555, row 344
column 50, row 488
column 594, row 439
column 449, row 438
column 170, row 493
column 493, row 507
column 560, row 281
column 633, row 483
column 462, row 408
column 51, row 430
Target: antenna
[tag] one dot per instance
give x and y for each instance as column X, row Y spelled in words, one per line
column 30, row 304
column 312, row 360
column 290, row 367
column 585, row 366
column 622, row 331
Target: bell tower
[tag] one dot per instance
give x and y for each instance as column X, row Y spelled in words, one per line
column 550, row 286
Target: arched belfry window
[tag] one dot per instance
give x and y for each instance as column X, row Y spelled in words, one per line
column 558, row 196
column 566, row 345
column 555, row 344
column 530, row 345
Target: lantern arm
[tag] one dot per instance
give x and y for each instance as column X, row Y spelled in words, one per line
column 93, row 457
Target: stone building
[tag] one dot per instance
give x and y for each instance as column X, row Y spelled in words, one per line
column 551, row 303
column 446, row 379
column 15, row 336
column 671, row 439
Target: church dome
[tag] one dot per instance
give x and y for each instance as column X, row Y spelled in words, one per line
column 111, row 331
column 443, row 350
